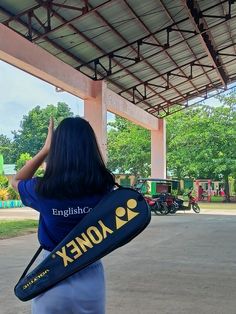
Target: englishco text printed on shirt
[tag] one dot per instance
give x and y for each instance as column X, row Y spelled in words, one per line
column 71, row 211
column 116, row 220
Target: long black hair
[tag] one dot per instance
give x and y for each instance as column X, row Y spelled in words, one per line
column 75, row 166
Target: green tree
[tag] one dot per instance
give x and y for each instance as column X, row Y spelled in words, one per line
column 6, row 146
column 128, row 147
column 201, row 141
column 34, row 126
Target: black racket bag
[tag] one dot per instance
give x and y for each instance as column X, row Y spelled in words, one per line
column 117, row 219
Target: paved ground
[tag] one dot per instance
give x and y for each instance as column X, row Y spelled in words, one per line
column 18, row 213
column 28, row 213
column 180, row 264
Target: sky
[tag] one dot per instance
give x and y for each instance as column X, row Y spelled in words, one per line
column 20, row 92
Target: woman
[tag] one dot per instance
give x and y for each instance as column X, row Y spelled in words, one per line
column 75, row 180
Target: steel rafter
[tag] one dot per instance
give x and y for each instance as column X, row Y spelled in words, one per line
column 15, row 17
column 188, row 46
column 191, row 63
column 85, row 10
column 207, row 87
column 117, row 53
column 48, row 5
column 74, row 29
column 197, row 18
column 186, row 105
column 154, row 88
column 57, row 46
column 126, row 42
column 157, row 42
column 170, row 73
column 189, row 96
column 227, row 23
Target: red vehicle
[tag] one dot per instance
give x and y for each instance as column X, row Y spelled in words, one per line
column 158, row 206
column 192, row 202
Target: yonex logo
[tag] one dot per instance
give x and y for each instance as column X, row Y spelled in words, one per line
column 124, row 215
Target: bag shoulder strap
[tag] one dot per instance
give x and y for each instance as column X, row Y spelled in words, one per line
column 39, row 250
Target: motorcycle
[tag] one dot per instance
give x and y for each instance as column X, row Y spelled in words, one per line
column 192, row 203
column 170, row 203
column 157, row 205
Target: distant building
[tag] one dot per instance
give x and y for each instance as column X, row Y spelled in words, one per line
column 9, row 170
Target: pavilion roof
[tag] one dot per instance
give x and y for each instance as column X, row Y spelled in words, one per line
column 161, row 55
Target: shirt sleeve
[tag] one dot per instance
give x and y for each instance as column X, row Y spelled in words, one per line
column 27, row 193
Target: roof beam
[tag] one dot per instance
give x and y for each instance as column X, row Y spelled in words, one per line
column 124, row 108
column 200, row 26
column 53, row 43
column 21, row 53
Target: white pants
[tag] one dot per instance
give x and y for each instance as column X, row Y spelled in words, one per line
column 81, row 293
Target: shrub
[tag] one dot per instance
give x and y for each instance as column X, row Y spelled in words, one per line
column 22, row 160
column 12, row 194
column 3, row 182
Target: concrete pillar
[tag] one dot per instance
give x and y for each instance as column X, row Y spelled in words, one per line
column 208, row 190
column 95, row 111
column 197, row 190
column 158, row 151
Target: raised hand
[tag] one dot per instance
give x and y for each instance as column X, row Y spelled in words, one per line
column 48, row 140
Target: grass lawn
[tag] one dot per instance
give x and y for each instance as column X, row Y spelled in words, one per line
column 214, row 205
column 9, row 229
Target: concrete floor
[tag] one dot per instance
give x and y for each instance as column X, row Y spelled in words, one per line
column 179, row 264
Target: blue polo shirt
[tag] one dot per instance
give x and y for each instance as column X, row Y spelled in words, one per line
column 57, row 217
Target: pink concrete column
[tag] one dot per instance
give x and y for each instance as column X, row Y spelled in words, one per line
column 208, row 190
column 158, row 151
column 95, row 111
column 197, row 190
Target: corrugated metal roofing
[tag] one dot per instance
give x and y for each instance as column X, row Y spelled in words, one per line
column 157, row 54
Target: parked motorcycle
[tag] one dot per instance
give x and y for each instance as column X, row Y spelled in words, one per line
column 157, row 205
column 192, row 203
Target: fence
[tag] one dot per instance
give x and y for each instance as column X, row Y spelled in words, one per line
column 11, row 204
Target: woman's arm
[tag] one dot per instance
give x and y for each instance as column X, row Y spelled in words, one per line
column 33, row 164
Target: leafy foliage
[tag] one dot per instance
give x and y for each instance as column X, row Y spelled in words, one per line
column 129, row 148
column 6, row 148
column 12, row 194
column 202, row 142
column 22, row 160
column 3, row 182
column 34, row 126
